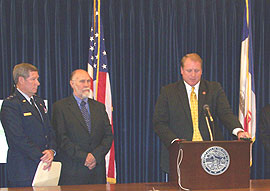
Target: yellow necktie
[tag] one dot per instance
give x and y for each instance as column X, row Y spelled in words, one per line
column 194, row 114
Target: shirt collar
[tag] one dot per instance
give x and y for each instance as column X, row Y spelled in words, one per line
column 25, row 96
column 80, row 100
column 189, row 87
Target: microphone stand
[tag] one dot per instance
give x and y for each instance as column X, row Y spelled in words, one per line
column 208, row 126
column 213, row 126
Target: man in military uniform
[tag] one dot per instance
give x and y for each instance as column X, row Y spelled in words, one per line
column 29, row 134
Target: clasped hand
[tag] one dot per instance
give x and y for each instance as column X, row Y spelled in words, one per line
column 90, row 161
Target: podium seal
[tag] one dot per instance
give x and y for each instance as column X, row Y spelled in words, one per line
column 215, row 160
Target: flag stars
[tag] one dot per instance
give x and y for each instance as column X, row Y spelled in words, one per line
column 96, row 12
column 95, row 65
column 96, row 35
column 92, row 29
column 96, row 56
column 91, row 38
column 91, row 48
column 104, row 66
column 104, row 53
column 92, row 57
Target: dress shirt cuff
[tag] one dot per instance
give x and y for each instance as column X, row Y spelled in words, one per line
column 54, row 152
column 237, row 130
column 175, row 140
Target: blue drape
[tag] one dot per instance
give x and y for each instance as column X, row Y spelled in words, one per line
column 145, row 40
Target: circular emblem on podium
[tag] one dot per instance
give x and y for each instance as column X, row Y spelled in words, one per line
column 215, row 160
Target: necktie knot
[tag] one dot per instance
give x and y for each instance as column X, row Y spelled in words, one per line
column 32, row 101
column 193, row 97
column 83, row 103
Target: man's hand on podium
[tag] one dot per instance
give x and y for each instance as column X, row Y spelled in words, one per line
column 243, row 134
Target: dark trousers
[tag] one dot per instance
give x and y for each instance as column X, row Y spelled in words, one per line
column 20, row 183
column 82, row 176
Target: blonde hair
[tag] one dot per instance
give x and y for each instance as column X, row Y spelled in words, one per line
column 193, row 56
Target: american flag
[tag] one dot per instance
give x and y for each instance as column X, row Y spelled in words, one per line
column 247, row 99
column 100, row 79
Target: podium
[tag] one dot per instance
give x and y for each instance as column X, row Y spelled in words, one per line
column 210, row 164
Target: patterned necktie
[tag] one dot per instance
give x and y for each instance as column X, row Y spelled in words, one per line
column 35, row 108
column 194, row 114
column 86, row 116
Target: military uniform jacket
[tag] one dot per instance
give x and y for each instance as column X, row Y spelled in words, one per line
column 27, row 135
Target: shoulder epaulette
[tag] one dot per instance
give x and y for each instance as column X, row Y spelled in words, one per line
column 10, row 97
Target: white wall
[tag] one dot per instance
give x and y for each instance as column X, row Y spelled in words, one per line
column 3, row 142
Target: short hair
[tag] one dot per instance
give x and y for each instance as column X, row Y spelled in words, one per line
column 193, row 56
column 23, row 70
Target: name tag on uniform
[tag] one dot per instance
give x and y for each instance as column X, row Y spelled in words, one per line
column 27, row 114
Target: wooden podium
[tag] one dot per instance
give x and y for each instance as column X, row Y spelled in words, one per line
column 196, row 154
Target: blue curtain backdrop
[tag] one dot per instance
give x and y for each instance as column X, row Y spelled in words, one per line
column 145, row 40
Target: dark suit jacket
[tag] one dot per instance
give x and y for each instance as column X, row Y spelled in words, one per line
column 265, row 127
column 27, row 135
column 265, row 137
column 75, row 142
column 172, row 117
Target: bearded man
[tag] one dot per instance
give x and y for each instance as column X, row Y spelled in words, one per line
column 83, row 134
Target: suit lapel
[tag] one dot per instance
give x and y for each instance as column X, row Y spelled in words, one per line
column 74, row 108
column 202, row 94
column 27, row 105
column 93, row 116
column 41, row 108
column 182, row 92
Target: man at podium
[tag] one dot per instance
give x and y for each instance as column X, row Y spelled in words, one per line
column 181, row 107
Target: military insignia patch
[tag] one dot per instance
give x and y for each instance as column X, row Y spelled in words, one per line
column 27, row 114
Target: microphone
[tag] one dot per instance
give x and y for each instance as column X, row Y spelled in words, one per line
column 206, row 108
